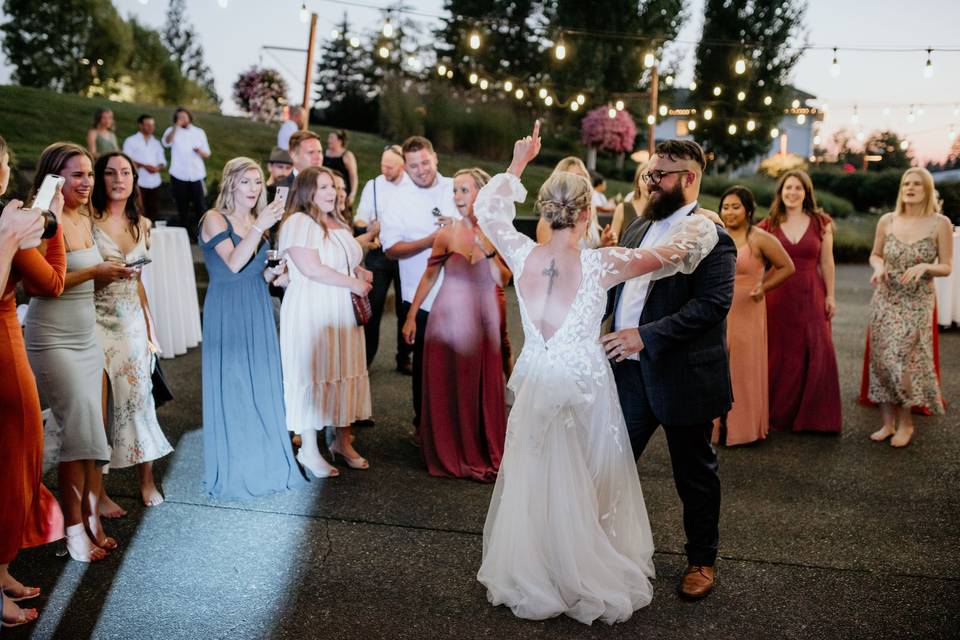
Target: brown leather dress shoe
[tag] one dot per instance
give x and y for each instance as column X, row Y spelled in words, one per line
column 698, row 582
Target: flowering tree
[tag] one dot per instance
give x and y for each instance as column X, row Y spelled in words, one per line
column 261, row 93
column 599, row 131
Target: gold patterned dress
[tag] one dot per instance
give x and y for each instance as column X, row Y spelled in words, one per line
column 901, row 352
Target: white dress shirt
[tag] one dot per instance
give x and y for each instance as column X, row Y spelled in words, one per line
column 145, row 150
column 635, row 291
column 410, row 215
column 287, row 129
column 375, row 196
column 185, row 163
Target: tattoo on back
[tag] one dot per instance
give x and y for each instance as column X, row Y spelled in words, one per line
column 552, row 273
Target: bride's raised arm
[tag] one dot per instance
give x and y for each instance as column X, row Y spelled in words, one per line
column 687, row 243
column 495, row 204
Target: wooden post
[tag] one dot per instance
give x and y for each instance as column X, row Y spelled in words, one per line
column 305, row 121
column 654, row 106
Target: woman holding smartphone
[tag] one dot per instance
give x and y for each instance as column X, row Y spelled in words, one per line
column 246, row 449
column 67, row 359
column 122, row 235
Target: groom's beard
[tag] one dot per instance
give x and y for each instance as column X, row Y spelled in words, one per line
column 661, row 204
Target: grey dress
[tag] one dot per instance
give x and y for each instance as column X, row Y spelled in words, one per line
column 68, row 363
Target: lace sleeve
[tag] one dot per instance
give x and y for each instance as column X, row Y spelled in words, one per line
column 686, row 244
column 495, row 211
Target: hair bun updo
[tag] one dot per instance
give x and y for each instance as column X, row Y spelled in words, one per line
column 562, row 198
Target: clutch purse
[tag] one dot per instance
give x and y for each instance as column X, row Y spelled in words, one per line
column 362, row 311
column 161, row 392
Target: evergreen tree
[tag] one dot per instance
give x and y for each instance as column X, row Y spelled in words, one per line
column 65, row 45
column 186, row 50
column 764, row 34
column 887, row 144
column 342, row 89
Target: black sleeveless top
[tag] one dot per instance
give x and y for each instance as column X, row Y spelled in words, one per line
column 338, row 165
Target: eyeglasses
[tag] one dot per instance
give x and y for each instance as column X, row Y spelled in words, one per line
column 654, row 177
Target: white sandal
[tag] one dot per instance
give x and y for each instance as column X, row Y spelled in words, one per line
column 79, row 545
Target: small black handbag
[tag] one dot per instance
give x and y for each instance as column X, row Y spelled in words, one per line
column 161, row 392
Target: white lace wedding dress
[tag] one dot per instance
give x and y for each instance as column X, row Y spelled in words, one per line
column 567, row 530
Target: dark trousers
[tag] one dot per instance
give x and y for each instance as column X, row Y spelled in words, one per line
column 151, row 202
column 693, row 458
column 385, row 272
column 417, row 362
column 187, row 195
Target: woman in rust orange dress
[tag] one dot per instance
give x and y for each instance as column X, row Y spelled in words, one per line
column 29, row 514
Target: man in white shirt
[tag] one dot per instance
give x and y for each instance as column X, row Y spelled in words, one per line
column 188, row 149
column 305, row 151
column 374, row 198
column 293, row 124
column 418, row 209
column 148, row 156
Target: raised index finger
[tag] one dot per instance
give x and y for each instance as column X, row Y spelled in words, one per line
column 536, row 129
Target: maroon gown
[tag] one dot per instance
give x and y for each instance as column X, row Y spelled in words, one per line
column 803, row 378
column 463, row 419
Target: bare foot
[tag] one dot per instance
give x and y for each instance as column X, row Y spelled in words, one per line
column 79, row 545
column 150, row 494
column 14, row 616
column 882, row 433
column 110, row 509
column 98, row 535
column 15, row 591
column 902, row 437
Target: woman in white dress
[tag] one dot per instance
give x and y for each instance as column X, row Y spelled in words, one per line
column 123, row 331
column 567, row 530
column 322, row 347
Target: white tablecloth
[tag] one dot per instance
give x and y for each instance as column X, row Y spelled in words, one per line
column 948, row 290
column 172, row 291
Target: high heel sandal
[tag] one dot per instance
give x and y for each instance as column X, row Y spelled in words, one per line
column 333, row 472
column 354, row 463
column 80, row 547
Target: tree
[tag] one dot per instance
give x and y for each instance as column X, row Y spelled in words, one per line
column 843, row 144
column 186, row 50
column 261, row 93
column 343, row 92
column 65, row 46
column 763, row 34
column 887, row 144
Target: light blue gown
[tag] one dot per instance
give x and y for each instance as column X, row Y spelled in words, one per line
column 246, row 445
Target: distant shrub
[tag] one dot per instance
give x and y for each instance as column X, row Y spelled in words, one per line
column 950, row 192
column 763, row 190
column 873, row 191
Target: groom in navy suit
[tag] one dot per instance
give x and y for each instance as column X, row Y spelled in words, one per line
column 670, row 354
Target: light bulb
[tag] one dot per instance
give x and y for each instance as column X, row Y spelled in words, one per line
column 767, row 100
column 304, row 14
column 649, row 59
column 669, row 81
column 449, row 74
column 519, row 94
column 751, row 125
column 548, row 101
column 508, row 86
column 442, row 70
column 795, row 104
column 542, row 93
column 560, row 51
column 774, row 133
column 664, row 110
column 693, row 86
column 928, row 68
column 484, row 84
column 732, row 129
column 741, row 96
column 384, row 52
column 474, row 40
column 388, row 29
column 612, row 113
column 473, row 78
column 581, row 98
column 691, row 125
column 740, row 66
column 651, row 119
column 574, row 105
column 619, row 105
column 904, row 145
column 835, row 65
column 354, row 41
column 717, row 90
column 708, row 114
column 801, row 119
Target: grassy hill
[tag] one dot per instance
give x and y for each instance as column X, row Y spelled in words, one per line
column 30, row 119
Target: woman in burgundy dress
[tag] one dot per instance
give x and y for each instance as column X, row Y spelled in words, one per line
column 463, row 420
column 804, row 383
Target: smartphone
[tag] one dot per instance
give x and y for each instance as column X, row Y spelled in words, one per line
column 281, row 196
column 138, row 263
column 48, row 189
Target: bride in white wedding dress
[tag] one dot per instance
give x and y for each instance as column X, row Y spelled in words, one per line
column 567, row 530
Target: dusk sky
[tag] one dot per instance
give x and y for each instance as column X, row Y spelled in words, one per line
column 882, row 84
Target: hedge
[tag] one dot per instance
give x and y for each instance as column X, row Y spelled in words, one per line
column 763, row 191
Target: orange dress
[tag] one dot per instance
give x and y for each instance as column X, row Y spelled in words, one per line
column 29, row 514
column 749, row 418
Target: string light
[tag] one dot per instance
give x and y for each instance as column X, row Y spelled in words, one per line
column 508, row 86
column 669, row 81
column 835, row 65
column 767, row 100
column 732, row 129
column 664, row 110
column 801, row 119
column 388, row 29
column 693, row 86
column 651, row 119
column 904, row 145
column 708, row 114
column 928, row 68
column 474, row 78
column 354, row 41
column 649, row 59
column 620, row 105
column 751, row 125
column 717, row 90
column 384, row 52
column 740, row 66
column 911, row 116
column 548, row 101
column 474, row 40
column 741, row 96
column 795, row 104
column 774, row 133
column 542, row 93
column 574, row 106
column 304, row 14
column 581, row 98
column 442, row 70
column 449, row 74
column 691, row 125
column 518, row 94
column 560, row 51
column 611, row 113
column 484, row 84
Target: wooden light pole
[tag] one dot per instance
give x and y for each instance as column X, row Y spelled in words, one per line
column 309, row 72
column 654, row 106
